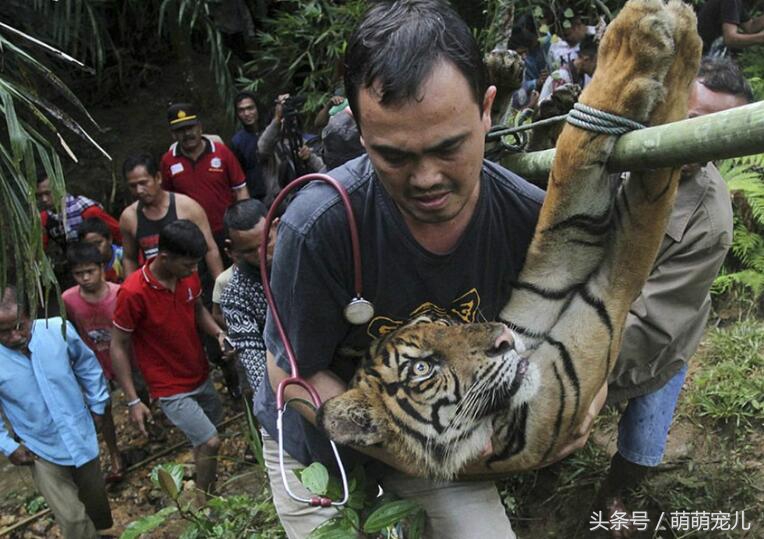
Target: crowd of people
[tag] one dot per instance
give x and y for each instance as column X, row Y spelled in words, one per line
column 173, row 284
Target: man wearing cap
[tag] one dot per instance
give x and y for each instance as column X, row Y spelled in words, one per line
column 201, row 168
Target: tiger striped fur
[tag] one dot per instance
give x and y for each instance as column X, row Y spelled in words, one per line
column 435, row 394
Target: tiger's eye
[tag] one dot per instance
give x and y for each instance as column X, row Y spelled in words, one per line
column 421, row 368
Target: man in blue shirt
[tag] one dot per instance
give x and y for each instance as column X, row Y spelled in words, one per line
column 53, row 393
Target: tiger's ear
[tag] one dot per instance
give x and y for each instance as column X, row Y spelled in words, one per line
column 352, row 419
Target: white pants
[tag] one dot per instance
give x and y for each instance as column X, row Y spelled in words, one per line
column 455, row 510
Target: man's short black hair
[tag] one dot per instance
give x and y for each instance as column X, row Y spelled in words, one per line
column 588, row 47
column 94, row 225
column 42, row 175
column 398, row 43
column 143, row 159
column 83, row 253
column 243, row 215
column 244, row 94
column 725, row 76
column 182, row 238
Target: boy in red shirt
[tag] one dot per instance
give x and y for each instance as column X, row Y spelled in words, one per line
column 90, row 306
column 158, row 311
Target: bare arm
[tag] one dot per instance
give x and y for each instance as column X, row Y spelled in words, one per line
column 207, row 324
column 192, row 211
column 734, row 38
column 217, row 315
column 121, row 354
column 752, row 26
column 327, row 385
column 129, row 244
column 241, row 193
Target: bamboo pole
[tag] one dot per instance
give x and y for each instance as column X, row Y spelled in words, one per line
column 722, row 135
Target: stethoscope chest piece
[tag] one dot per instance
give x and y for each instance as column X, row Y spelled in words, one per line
column 359, row 311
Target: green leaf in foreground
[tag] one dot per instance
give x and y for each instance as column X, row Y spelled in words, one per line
column 315, row 478
column 335, row 528
column 147, row 523
column 389, row 514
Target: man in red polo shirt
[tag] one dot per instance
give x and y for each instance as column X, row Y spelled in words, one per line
column 201, row 168
column 158, row 310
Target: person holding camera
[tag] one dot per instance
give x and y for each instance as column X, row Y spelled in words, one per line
column 283, row 153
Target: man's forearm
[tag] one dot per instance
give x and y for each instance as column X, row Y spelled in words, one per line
column 327, row 385
column 120, row 366
column 205, row 321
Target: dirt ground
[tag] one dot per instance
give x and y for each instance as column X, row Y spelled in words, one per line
column 136, row 496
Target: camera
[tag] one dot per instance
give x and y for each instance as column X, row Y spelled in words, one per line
column 292, row 105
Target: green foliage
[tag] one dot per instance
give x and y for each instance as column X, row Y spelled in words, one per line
column 26, row 148
column 193, row 16
column 147, row 523
column 301, row 49
column 33, row 505
column 743, row 271
column 730, row 386
column 365, row 511
column 222, row 517
column 751, row 59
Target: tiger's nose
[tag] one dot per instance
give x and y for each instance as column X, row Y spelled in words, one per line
column 503, row 343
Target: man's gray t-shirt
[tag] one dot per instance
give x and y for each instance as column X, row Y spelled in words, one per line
column 312, row 276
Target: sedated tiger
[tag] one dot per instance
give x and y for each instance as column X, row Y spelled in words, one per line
column 435, row 393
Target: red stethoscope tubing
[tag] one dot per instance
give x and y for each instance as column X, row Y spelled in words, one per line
column 295, row 378
column 299, row 182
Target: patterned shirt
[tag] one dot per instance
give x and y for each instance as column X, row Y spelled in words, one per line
column 244, row 307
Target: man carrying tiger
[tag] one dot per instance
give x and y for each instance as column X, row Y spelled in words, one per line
column 444, row 235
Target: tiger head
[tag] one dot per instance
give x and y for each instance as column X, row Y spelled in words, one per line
column 429, row 391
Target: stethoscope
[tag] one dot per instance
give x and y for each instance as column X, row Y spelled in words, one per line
column 359, row 311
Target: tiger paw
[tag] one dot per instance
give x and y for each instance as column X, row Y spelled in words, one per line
column 641, row 46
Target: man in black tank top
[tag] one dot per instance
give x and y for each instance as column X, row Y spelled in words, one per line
column 141, row 222
column 147, row 231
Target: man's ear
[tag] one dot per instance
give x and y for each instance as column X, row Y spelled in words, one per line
column 488, row 98
column 352, row 419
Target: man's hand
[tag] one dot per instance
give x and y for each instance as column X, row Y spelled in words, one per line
column 97, row 420
column 22, row 457
column 336, row 100
column 304, row 152
column 228, row 351
column 278, row 112
column 139, row 413
column 585, row 428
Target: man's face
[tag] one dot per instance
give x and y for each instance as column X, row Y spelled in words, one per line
column 179, row 266
column 588, row 64
column 102, row 243
column 428, row 152
column 88, row 276
column 703, row 101
column 15, row 330
column 189, row 137
column 245, row 244
column 44, row 195
column 576, row 33
column 143, row 185
column 246, row 111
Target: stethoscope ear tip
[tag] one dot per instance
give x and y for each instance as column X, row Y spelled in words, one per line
column 359, row 311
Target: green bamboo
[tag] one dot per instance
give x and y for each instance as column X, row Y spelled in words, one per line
column 722, row 135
